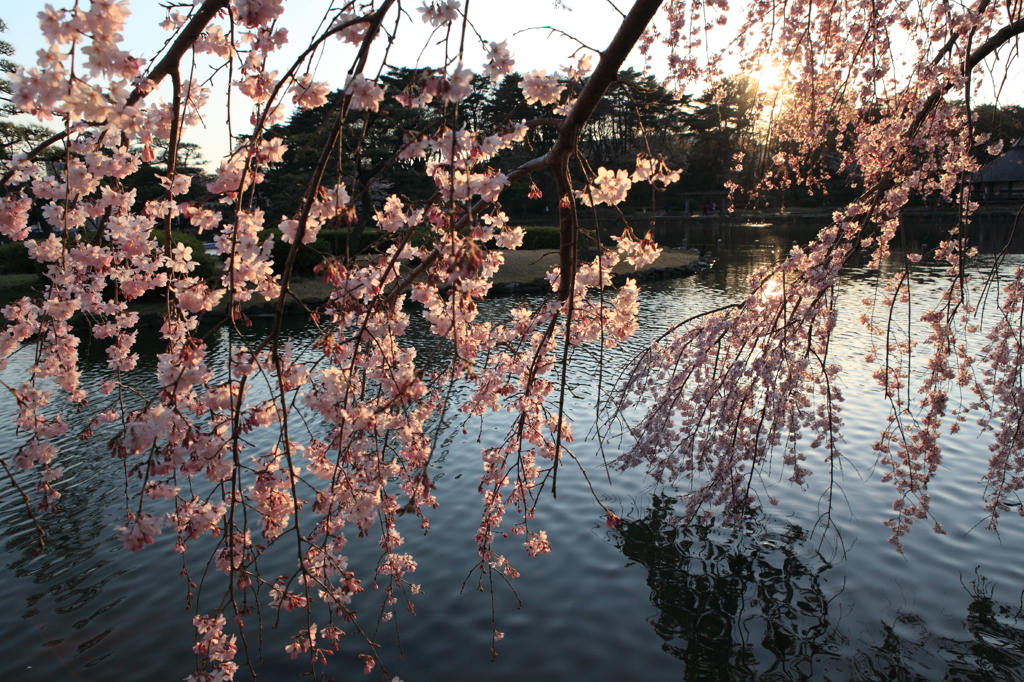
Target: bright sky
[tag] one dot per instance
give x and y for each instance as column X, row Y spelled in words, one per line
column 593, row 22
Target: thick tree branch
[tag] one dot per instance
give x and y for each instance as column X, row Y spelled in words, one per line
column 995, row 41
column 604, row 75
column 373, row 28
column 184, row 41
column 557, row 158
column 164, row 67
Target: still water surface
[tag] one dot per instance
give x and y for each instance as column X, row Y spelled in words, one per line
column 786, row 597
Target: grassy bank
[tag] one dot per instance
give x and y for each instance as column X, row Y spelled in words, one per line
column 14, row 287
column 526, row 266
column 520, row 266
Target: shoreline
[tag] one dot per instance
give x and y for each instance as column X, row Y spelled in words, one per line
column 522, row 274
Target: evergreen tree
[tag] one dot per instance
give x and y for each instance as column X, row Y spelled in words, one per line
column 14, row 137
column 189, row 162
column 637, row 115
column 1001, row 124
column 716, row 131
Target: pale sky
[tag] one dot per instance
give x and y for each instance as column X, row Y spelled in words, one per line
column 593, row 22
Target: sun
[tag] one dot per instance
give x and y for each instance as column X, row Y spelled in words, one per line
column 771, row 289
column 772, row 76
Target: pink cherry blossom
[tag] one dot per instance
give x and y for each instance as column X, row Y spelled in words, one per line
column 499, row 61
column 438, row 13
column 308, row 93
column 539, row 87
column 609, row 187
column 366, row 95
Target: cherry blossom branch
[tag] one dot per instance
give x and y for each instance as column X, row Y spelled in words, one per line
column 184, row 42
column 374, row 22
column 997, row 40
column 40, row 531
column 605, row 73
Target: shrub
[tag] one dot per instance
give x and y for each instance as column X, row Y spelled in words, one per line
column 541, row 238
column 14, row 260
column 207, row 265
column 328, row 243
column 548, row 238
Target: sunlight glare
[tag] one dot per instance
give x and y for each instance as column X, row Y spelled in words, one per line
column 771, row 289
column 771, row 76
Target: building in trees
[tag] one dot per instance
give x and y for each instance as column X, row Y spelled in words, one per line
column 1002, row 178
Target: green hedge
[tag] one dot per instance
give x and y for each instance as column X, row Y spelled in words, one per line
column 548, row 238
column 206, row 265
column 328, row 243
column 14, row 260
column 333, row 243
column 545, row 238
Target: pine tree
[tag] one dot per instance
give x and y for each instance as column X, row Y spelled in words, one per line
column 14, row 137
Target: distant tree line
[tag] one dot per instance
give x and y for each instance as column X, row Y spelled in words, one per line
column 700, row 135
column 15, row 135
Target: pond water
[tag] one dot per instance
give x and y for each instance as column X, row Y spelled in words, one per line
column 801, row 591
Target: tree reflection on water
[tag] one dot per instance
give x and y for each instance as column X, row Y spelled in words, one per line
column 749, row 604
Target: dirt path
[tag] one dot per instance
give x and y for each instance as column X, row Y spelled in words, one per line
column 520, row 267
column 526, row 266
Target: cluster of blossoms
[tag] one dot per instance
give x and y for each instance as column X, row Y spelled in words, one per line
column 378, row 402
column 540, row 88
column 611, row 187
column 736, row 388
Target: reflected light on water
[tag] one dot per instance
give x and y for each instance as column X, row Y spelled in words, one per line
column 761, row 601
column 754, row 602
column 771, row 289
